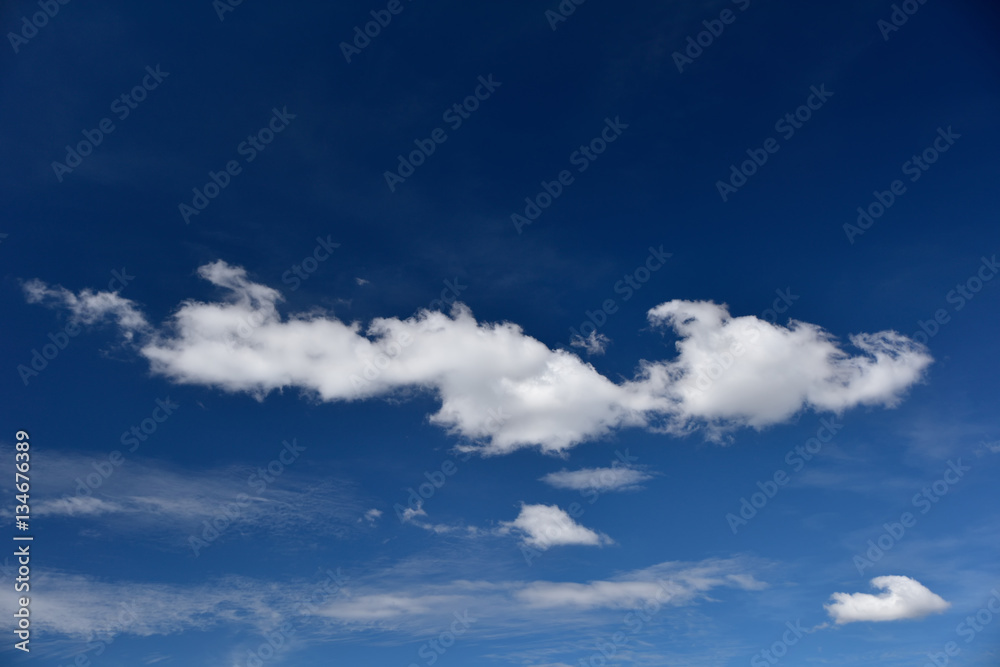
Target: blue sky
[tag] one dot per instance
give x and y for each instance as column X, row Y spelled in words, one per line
column 514, row 334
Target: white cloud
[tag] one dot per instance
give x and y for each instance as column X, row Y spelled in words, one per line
column 743, row 371
column 501, row 389
column 595, row 343
column 666, row 583
column 400, row 599
column 902, row 598
column 87, row 609
column 152, row 497
column 614, row 594
column 615, row 478
column 993, row 447
column 77, row 506
column 88, row 307
column 372, row 515
column 386, row 606
column 545, row 526
column 410, row 513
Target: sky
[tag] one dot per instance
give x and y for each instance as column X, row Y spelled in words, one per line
column 509, row 334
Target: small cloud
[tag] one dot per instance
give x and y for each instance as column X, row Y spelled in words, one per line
column 77, row 506
column 598, row 479
column 89, row 307
column 991, row 447
column 595, row 343
column 746, row 581
column 361, row 281
column 903, row 598
column 411, row 512
column 372, row 515
column 544, row 526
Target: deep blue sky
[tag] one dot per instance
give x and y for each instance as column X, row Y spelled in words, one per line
column 323, row 176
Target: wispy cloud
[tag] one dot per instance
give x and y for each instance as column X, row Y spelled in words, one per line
column 598, row 479
column 85, row 608
column 154, row 498
column 595, row 343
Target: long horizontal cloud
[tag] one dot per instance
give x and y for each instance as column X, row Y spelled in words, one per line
column 499, row 388
column 902, row 598
column 598, row 479
column 150, row 497
column 85, row 608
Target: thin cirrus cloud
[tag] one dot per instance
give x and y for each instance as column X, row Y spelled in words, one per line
column 149, row 496
column 901, row 598
column 665, row 583
column 82, row 608
column 499, row 388
column 598, row 479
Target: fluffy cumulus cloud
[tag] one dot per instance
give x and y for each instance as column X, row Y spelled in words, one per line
column 499, row 388
column 902, row 598
column 748, row 372
column 545, row 526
